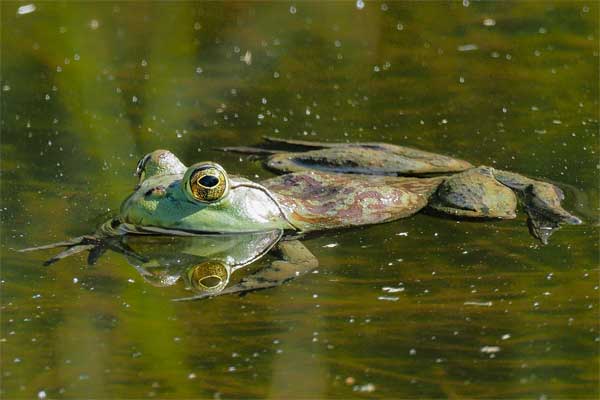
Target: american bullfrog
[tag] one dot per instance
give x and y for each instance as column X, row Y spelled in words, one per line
column 323, row 186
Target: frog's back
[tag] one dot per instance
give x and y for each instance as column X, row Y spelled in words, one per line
column 316, row 200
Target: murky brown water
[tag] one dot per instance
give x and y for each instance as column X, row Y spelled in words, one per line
column 480, row 310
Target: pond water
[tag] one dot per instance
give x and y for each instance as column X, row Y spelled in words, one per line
column 476, row 309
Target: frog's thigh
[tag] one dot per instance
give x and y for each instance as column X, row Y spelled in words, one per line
column 474, row 193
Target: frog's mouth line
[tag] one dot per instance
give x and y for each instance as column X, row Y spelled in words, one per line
column 270, row 196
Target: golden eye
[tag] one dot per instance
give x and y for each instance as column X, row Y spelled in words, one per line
column 208, row 182
column 209, row 276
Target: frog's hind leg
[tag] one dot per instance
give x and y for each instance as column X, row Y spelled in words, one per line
column 296, row 261
column 272, row 145
column 541, row 201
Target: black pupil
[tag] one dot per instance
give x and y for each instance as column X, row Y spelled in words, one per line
column 209, row 181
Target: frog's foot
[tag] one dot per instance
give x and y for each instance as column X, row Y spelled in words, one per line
column 297, row 261
column 474, row 193
column 96, row 245
column 73, row 246
column 541, row 201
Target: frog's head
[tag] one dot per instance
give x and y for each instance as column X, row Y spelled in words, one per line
column 225, row 201
column 201, row 198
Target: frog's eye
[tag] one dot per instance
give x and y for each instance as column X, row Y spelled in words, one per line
column 207, row 182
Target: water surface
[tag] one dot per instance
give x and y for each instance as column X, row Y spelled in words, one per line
column 476, row 309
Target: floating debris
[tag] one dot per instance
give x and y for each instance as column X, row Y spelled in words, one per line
column 331, row 245
column 388, row 298
column 389, row 289
column 368, row 388
column 467, row 47
column 490, row 349
column 247, row 58
column 478, row 303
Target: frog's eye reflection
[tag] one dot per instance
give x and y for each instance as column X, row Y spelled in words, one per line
column 209, row 276
column 208, row 182
column 210, row 281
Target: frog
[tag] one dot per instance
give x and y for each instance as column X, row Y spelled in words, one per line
column 320, row 186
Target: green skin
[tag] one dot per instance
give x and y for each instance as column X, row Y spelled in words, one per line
column 324, row 186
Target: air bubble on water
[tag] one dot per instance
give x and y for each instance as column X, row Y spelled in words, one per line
column 461, row 79
column 94, row 24
column 144, row 63
column 399, row 26
column 134, row 99
column 542, row 30
column 495, row 54
column 197, row 26
column 412, row 352
column 293, row 10
column 307, row 111
column 489, row 22
column 58, row 68
column 337, row 43
column 376, row 68
column 76, row 57
column 275, row 74
column 41, row 393
column 192, row 376
column 506, row 336
column 466, row 3
column 360, row 4
column 199, row 70
column 384, row 7
column 504, row 110
column 263, row 100
column 27, row 9
column 260, row 116
column 6, row 88
column 47, row 97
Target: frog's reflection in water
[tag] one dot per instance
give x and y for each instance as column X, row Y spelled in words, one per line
column 205, row 263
